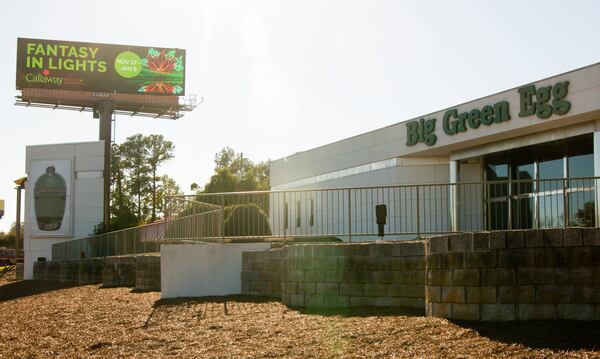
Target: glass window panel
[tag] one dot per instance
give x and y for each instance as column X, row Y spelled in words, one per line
column 581, row 166
column 551, row 169
column 581, row 209
column 497, row 172
column 551, row 211
column 522, row 213
column 498, row 215
column 523, row 172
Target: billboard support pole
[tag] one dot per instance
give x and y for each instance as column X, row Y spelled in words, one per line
column 105, row 111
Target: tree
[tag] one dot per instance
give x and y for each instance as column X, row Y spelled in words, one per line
column 8, row 239
column 135, row 158
column 222, row 181
column 167, row 188
column 234, row 173
column 159, row 151
column 585, row 217
column 137, row 188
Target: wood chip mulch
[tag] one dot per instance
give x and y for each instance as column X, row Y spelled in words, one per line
column 47, row 320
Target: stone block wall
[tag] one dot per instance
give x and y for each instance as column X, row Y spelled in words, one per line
column 52, row 271
column 39, row 270
column 141, row 271
column 147, row 272
column 261, row 273
column 514, row 275
column 68, row 271
column 119, row 271
column 354, row 275
column 90, row 270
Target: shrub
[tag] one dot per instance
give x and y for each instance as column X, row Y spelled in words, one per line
column 245, row 220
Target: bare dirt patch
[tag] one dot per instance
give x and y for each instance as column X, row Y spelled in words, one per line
column 41, row 320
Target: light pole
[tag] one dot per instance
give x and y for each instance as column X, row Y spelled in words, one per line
column 20, row 186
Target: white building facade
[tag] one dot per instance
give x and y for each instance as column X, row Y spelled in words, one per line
column 537, row 135
column 64, row 196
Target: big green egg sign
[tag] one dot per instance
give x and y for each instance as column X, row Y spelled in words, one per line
column 542, row 102
column 84, row 66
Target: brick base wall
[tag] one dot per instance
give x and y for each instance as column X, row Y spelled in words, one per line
column 354, row 275
column 147, row 272
column 68, row 271
column 119, row 271
column 261, row 273
column 90, row 270
column 140, row 271
column 515, row 275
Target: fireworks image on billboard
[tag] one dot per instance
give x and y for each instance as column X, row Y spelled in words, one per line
column 159, row 72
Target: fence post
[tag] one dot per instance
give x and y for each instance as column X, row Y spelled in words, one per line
column 418, row 214
column 167, row 200
column 349, row 217
column 285, row 217
column 565, row 204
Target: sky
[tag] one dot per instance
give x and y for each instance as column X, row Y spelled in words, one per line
column 279, row 77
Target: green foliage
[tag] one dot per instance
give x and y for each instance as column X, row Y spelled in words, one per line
column 159, row 151
column 585, row 217
column 246, row 220
column 8, row 239
column 167, row 187
column 138, row 190
column 235, row 173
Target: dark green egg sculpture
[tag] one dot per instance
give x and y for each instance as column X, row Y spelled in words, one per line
column 50, row 200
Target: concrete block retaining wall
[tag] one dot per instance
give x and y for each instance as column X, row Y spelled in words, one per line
column 68, row 271
column 261, row 273
column 91, row 270
column 140, row 271
column 354, row 275
column 515, row 275
column 119, row 271
column 147, row 272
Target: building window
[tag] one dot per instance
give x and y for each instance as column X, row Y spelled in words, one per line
column 298, row 212
column 311, row 219
column 539, row 200
column 285, row 215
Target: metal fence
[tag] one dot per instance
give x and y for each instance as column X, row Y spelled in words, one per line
column 186, row 219
column 412, row 210
column 349, row 213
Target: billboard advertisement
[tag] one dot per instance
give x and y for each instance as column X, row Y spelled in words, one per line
column 49, row 195
column 84, row 66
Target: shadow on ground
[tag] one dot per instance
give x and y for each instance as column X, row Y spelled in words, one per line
column 240, row 299
column 363, row 312
column 24, row 288
column 554, row 335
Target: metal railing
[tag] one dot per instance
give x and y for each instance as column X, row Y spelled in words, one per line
column 349, row 213
column 186, row 219
column 412, row 210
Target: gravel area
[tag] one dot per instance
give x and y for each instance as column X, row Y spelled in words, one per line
column 46, row 320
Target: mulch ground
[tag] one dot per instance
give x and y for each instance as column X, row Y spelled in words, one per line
column 42, row 320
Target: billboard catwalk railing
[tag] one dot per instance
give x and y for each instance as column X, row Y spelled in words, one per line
column 349, row 213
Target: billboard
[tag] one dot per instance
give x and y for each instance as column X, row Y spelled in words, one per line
column 85, row 66
column 50, row 198
column 1, row 208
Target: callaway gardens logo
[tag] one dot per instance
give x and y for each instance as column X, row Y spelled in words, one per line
column 47, row 78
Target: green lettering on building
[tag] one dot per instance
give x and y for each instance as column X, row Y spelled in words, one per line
column 421, row 131
column 542, row 102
